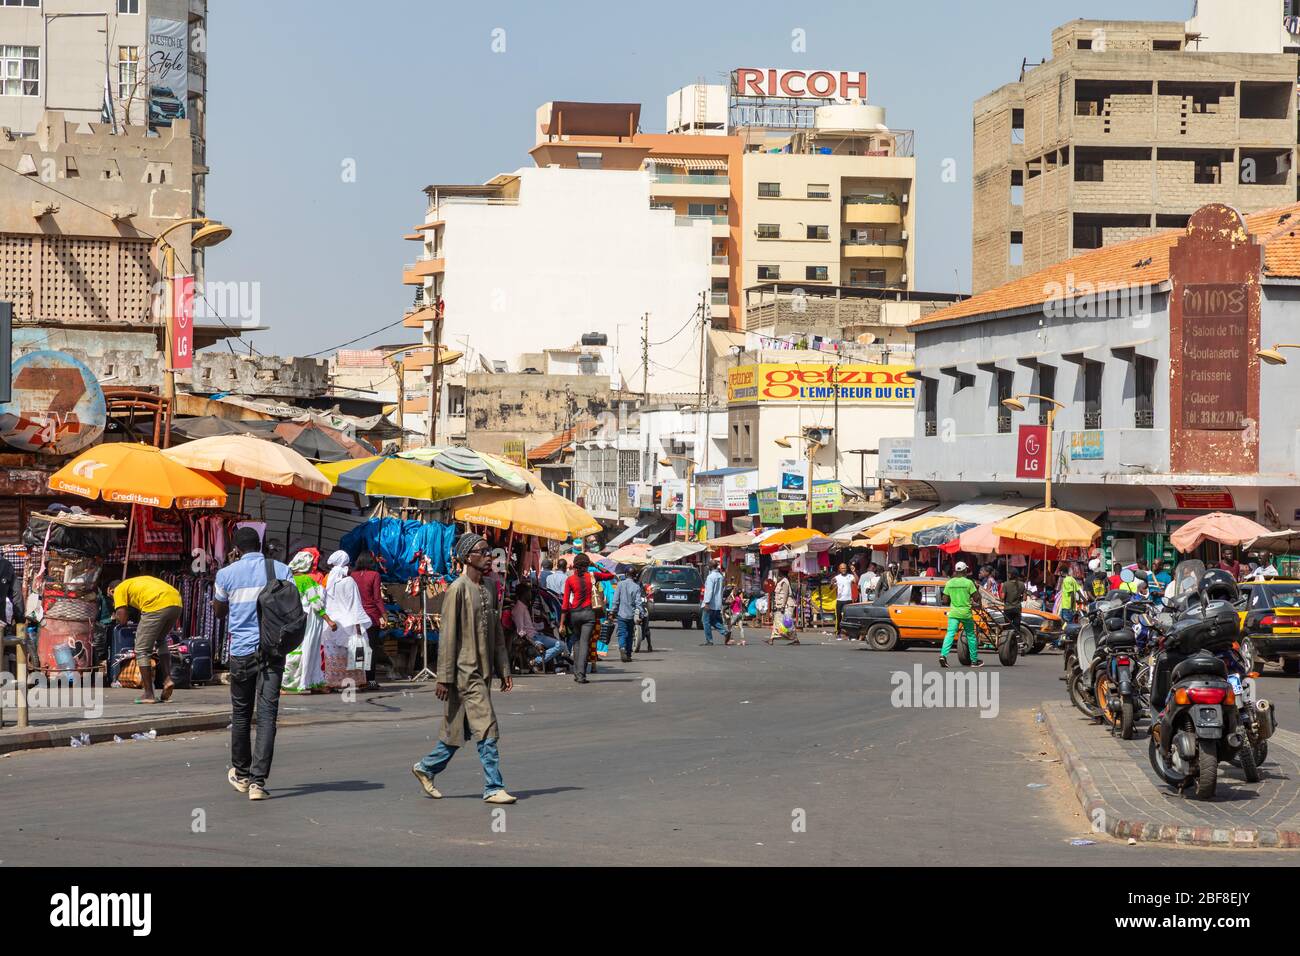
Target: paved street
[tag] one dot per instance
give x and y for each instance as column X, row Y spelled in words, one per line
column 712, row 772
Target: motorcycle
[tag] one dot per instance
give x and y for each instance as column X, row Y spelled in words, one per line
column 1255, row 715
column 1198, row 724
column 1123, row 679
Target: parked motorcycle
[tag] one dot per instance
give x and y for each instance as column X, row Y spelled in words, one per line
column 1254, row 714
column 1198, row 723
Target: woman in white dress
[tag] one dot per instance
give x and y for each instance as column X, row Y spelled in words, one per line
column 304, row 672
column 347, row 650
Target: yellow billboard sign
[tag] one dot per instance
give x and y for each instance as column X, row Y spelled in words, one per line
column 816, row 382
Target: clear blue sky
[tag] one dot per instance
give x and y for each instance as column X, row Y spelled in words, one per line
column 413, row 92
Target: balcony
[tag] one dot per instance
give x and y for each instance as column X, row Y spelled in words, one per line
column 720, row 260
column 875, row 249
column 416, row 318
column 873, row 210
column 435, row 210
column 416, row 272
column 690, row 186
column 719, row 298
column 691, row 220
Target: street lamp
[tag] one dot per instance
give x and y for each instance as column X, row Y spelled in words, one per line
column 813, row 445
column 667, row 462
column 209, row 233
column 1274, row 355
column 570, row 482
column 1015, row 404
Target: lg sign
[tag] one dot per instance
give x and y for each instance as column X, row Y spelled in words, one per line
column 800, row 84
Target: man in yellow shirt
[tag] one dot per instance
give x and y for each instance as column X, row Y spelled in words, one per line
column 159, row 605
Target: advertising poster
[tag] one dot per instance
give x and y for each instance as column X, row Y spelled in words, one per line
column 794, row 480
column 169, row 71
column 182, row 356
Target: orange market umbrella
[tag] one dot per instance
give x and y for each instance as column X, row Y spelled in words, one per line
column 136, row 475
column 254, row 463
column 1218, row 526
column 788, row 538
column 1048, row 526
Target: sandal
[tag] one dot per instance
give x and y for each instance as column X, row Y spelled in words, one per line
column 146, row 700
column 167, row 692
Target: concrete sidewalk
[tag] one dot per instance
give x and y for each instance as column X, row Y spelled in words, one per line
column 1122, row 795
column 195, row 709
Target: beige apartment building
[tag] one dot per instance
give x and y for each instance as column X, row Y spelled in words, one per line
column 833, row 205
column 1128, row 128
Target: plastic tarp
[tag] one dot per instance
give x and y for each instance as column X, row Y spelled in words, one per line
column 898, row 512
column 397, row 544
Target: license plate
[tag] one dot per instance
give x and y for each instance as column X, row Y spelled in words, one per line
column 1286, row 630
column 675, row 597
column 1208, row 717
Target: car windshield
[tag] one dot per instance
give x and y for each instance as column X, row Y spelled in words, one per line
column 1282, row 595
column 676, row 577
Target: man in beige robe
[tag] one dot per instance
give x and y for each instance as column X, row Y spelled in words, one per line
column 471, row 652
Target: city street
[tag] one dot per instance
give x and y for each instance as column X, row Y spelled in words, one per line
column 738, row 746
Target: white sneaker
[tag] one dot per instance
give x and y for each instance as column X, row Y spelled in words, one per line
column 499, row 796
column 257, row 792
column 239, row 783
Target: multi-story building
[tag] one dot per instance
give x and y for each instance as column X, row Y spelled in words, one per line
column 1160, row 352
column 121, row 62
column 831, row 205
column 1128, row 128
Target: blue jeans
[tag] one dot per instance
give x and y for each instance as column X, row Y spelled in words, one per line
column 441, row 755
column 553, row 648
column 625, row 629
column 711, row 620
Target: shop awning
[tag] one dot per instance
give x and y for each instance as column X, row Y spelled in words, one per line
column 906, row 509
column 627, row 535
column 689, row 162
column 983, row 510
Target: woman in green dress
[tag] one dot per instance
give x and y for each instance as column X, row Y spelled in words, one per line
column 304, row 671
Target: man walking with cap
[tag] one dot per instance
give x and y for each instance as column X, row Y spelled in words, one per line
column 471, row 652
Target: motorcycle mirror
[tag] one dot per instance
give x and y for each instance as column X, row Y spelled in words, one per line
column 1127, row 576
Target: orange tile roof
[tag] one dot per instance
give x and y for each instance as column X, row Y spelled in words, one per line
column 1138, row 262
column 553, row 446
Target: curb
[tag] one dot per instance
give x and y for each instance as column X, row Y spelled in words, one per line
column 1145, row 831
column 104, row 731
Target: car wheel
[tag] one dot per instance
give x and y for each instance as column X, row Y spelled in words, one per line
column 686, row 623
column 1248, row 653
column 1291, row 666
column 882, row 637
column 963, row 650
column 1008, row 648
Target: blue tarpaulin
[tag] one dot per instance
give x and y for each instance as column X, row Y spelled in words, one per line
column 397, row 544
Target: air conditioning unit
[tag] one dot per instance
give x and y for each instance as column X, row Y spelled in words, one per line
column 905, row 236
column 904, row 199
column 903, row 277
column 822, row 436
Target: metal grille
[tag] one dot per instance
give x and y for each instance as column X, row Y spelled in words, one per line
column 1092, row 419
column 135, row 281
column 1004, row 424
column 931, row 427
column 16, row 275
column 1146, row 418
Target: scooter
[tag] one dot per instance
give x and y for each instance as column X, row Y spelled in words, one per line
column 1254, row 714
column 1198, row 723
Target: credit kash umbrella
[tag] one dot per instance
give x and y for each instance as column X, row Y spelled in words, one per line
column 136, row 475
column 385, row 476
column 540, row 512
column 1048, row 526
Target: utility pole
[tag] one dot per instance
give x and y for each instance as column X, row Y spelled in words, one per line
column 835, row 425
column 435, row 392
column 704, row 325
column 645, row 360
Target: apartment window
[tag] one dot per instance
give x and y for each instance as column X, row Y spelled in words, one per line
column 867, row 234
column 819, row 232
column 1018, row 127
column 819, row 191
column 128, row 6
column 1017, row 187
column 1092, row 394
column 1169, row 45
column 20, row 71
column 1085, row 44
column 963, row 380
column 769, row 272
column 702, row 209
column 128, row 62
column 1144, row 372
column 769, row 230
column 930, row 406
column 21, row 3
column 1046, row 387
column 590, row 160
column 1017, row 255
column 1090, row 168
column 816, row 273
column 867, row 278
column 769, row 190
column 747, row 442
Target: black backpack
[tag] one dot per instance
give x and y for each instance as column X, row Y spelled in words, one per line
column 281, row 619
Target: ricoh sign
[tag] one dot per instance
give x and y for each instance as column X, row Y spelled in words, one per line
column 799, row 84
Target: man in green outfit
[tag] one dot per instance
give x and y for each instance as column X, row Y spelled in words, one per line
column 959, row 593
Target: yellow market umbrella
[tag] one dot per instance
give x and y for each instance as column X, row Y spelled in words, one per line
column 541, row 512
column 876, row 538
column 251, row 462
column 788, row 538
column 901, row 533
column 389, row 477
column 1049, row 526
